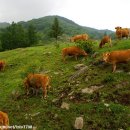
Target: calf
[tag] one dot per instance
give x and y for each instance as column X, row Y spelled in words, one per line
column 4, row 120
column 73, row 51
column 37, row 81
column 115, row 57
column 2, row 65
column 83, row 37
column 105, row 39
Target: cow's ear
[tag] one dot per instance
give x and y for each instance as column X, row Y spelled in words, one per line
column 108, row 54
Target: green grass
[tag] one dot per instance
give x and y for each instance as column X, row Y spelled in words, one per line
column 116, row 90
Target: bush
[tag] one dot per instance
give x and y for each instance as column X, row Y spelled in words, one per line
column 109, row 78
column 88, row 45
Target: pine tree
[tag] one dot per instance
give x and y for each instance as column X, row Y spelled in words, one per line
column 55, row 29
column 13, row 37
column 32, row 35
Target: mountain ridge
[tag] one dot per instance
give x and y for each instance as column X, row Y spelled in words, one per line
column 70, row 28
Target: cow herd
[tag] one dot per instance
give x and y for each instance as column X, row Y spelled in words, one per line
column 33, row 82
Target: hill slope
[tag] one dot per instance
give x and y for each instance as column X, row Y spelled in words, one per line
column 106, row 107
column 69, row 27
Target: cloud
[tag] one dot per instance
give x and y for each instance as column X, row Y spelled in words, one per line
column 100, row 14
column 17, row 10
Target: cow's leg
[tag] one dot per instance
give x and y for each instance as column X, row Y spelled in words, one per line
column 63, row 57
column 114, row 67
column 75, row 57
column 44, row 91
column 27, row 89
column 37, row 91
column 6, row 123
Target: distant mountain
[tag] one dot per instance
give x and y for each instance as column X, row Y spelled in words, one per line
column 69, row 27
column 4, row 25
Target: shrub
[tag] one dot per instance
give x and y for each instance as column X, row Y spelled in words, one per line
column 109, row 78
column 88, row 45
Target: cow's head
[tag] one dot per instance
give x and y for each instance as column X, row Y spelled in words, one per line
column 71, row 39
column 117, row 28
column 106, row 56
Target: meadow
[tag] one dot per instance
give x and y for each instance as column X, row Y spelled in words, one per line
column 107, row 108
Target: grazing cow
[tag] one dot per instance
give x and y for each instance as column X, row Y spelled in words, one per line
column 4, row 120
column 122, row 32
column 83, row 37
column 73, row 51
column 114, row 57
column 105, row 39
column 37, row 81
column 2, row 65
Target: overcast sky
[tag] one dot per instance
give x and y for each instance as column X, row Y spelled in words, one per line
column 100, row 14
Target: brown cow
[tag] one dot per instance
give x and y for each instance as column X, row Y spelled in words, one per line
column 2, row 65
column 73, row 51
column 4, row 120
column 115, row 57
column 105, row 39
column 122, row 32
column 83, row 37
column 37, row 81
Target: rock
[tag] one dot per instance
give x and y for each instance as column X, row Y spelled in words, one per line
column 15, row 94
column 35, row 114
column 91, row 89
column 65, row 106
column 79, row 66
column 70, row 93
column 56, row 73
column 55, row 100
column 78, row 123
column 106, row 104
column 45, row 72
column 119, row 86
column 56, row 115
column 78, row 73
column 86, row 79
column 119, row 71
column 47, row 53
column 122, row 84
column 34, row 128
column 95, row 54
column 77, row 85
column 87, row 90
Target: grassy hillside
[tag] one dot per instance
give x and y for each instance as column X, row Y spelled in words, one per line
column 107, row 108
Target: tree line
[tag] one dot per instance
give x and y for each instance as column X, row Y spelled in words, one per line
column 16, row 36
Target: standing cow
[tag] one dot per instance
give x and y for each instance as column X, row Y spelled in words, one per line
column 114, row 57
column 122, row 32
column 105, row 39
column 73, row 51
column 37, row 81
column 4, row 120
column 2, row 65
column 83, row 37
